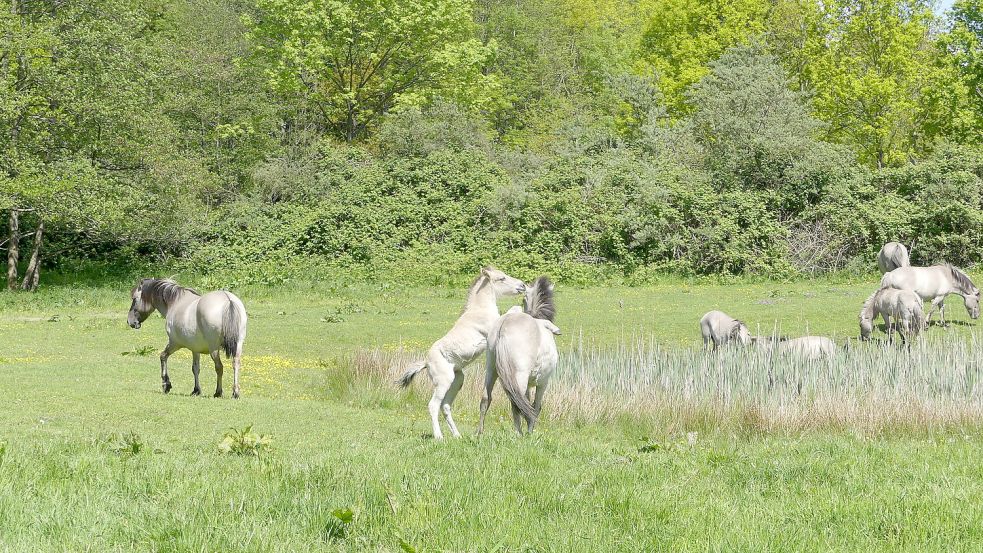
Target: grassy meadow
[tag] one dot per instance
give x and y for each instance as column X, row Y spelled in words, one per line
column 737, row 453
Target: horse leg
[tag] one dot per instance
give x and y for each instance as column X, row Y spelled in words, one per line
column 195, row 367
column 442, row 375
column 537, row 404
column 449, row 399
column 942, row 312
column 217, row 359
column 935, row 305
column 491, row 375
column 164, row 378
column 236, row 364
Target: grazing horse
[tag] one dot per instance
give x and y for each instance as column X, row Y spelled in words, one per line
column 902, row 308
column 720, row 328
column 892, row 256
column 465, row 341
column 935, row 283
column 522, row 350
column 805, row 347
column 809, row 347
column 209, row 324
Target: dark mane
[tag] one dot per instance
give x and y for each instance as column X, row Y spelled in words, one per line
column 538, row 302
column 962, row 280
column 735, row 329
column 162, row 291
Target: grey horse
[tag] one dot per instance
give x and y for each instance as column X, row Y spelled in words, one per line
column 210, row 323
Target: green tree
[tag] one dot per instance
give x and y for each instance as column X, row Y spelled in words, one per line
column 682, row 37
column 964, row 43
column 355, row 61
column 876, row 72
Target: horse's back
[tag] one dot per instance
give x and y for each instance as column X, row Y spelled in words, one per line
column 713, row 320
column 811, row 347
column 927, row 282
column 212, row 310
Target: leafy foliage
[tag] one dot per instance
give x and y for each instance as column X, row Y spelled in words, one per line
column 245, row 442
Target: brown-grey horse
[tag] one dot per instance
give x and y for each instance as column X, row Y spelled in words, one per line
column 210, row 323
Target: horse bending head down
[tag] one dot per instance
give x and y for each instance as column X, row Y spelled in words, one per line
column 969, row 292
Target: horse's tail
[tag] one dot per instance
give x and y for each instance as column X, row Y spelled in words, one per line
column 899, row 257
column 918, row 318
column 407, row 377
column 505, row 366
column 233, row 327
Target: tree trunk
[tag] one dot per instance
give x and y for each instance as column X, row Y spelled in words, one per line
column 13, row 249
column 33, row 274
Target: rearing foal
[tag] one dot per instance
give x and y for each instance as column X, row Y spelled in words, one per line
column 209, row 324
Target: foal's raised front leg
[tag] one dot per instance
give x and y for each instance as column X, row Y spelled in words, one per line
column 164, row 378
column 217, row 359
column 195, row 369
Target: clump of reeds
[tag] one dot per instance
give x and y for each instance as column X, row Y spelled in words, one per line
column 936, row 382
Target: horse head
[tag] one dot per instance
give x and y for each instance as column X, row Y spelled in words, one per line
column 503, row 284
column 140, row 307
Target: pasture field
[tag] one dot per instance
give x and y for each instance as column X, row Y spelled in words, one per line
column 93, row 457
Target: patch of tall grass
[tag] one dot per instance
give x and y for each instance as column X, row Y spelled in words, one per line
column 936, row 383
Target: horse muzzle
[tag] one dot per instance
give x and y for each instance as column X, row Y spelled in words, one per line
column 135, row 325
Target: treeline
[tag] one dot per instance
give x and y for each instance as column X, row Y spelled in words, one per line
column 267, row 139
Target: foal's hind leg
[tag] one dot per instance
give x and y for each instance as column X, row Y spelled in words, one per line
column 195, row 368
column 442, row 375
column 164, row 378
column 449, row 399
column 217, row 359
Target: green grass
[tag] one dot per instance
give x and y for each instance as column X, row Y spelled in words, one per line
column 73, row 406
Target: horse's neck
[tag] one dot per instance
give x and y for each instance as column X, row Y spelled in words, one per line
column 870, row 310
column 482, row 300
column 163, row 307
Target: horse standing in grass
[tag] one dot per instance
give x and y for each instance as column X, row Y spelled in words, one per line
column 935, row 283
column 211, row 324
column 720, row 328
column 465, row 341
column 522, row 351
column 892, row 256
column 899, row 308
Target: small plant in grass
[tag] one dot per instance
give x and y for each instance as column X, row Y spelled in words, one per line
column 3, row 451
column 332, row 319
column 141, row 351
column 127, row 444
column 336, row 527
column 245, row 442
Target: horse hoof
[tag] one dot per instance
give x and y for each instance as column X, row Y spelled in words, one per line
column 235, row 394
column 196, row 392
column 218, row 394
column 167, row 387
